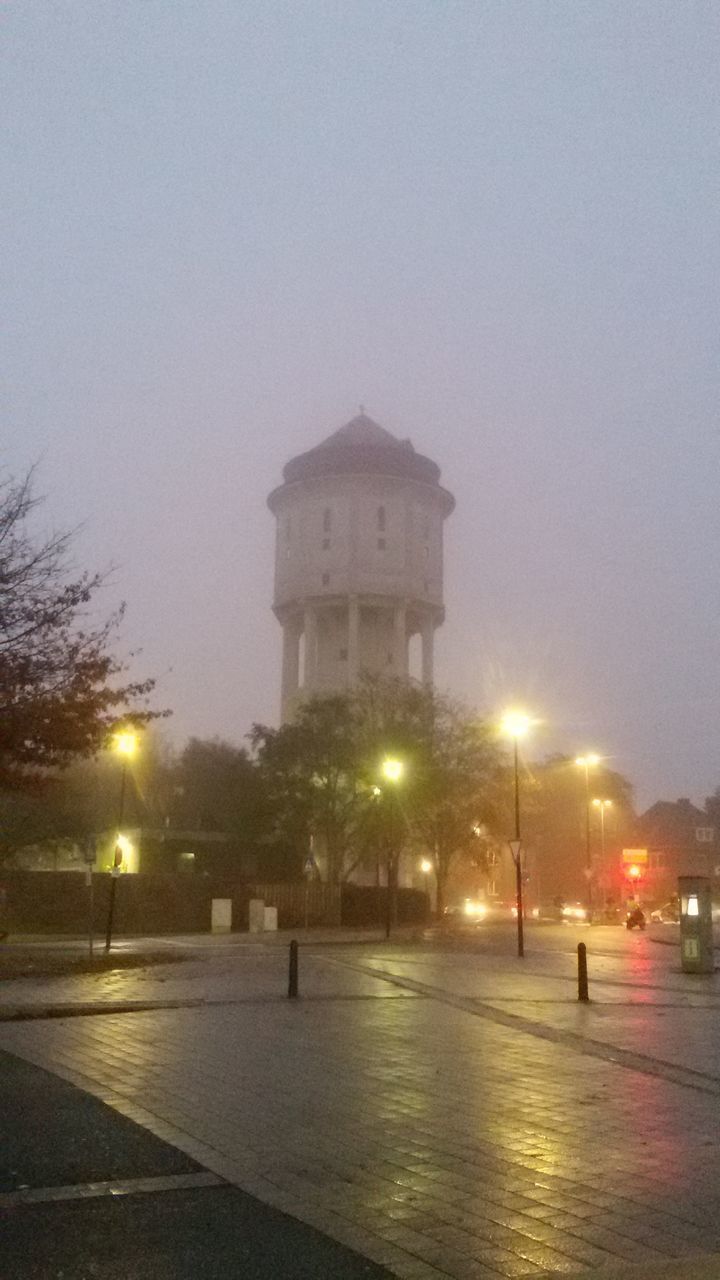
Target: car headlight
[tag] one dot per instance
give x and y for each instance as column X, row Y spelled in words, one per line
column 476, row 909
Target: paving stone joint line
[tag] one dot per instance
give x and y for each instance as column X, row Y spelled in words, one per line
column 626, row 1058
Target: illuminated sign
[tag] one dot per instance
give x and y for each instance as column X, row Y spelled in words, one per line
column 636, row 857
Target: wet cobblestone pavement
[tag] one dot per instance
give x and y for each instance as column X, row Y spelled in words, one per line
column 439, row 1107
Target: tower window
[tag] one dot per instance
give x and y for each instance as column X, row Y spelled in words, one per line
column 327, row 516
column 326, row 579
column 326, row 544
column 426, row 553
column 343, row 655
column 381, row 519
column 381, row 544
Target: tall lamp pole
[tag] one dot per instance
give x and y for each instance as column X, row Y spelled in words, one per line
column 125, row 745
column 392, row 771
column 515, row 724
column 602, row 805
column 586, row 763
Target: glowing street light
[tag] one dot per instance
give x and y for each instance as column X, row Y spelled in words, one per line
column 515, row 724
column 392, row 769
column 586, row 763
column 125, row 743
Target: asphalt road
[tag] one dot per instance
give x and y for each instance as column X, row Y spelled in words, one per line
column 57, row 1141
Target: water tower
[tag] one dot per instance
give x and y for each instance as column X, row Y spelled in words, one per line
column 358, row 560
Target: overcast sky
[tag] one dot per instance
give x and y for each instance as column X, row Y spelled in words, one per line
column 495, row 224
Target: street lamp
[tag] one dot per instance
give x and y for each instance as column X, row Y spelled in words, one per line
column 392, row 771
column 602, row 805
column 125, row 745
column 588, row 762
column 427, row 867
column 515, row 725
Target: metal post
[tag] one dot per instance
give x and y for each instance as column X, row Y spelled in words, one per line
column 91, row 908
column 293, row 973
column 588, row 857
column 582, row 972
column 391, row 903
column 518, row 860
column 388, row 895
column 602, row 856
column 111, row 911
column 113, row 873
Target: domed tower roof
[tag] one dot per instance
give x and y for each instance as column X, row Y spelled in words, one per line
column 361, row 430
column 363, row 446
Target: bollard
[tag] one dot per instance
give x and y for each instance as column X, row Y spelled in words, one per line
column 293, row 975
column 582, row 972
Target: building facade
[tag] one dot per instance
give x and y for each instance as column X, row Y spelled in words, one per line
column 358, row 561
column 681, row 841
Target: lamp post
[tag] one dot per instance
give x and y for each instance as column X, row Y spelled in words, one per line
column 392, row 771
column 602, row 805
column 516, row 724
column 125, row 745
column 586, row 763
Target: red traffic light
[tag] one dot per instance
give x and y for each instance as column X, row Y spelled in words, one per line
column 634, row 872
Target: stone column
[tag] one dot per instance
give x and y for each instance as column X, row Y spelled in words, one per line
column 428, row 647
column 290, row 664
column 400, row 664
column 353, row 647
column 310, row 629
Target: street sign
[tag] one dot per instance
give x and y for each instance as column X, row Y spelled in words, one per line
column 515, row 846
column 89, row 851
column 309, row 865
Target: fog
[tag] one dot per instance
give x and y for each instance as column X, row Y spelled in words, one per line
column 495, row 225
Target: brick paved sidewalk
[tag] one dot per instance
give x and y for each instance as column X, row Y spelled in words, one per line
column 433, row 1140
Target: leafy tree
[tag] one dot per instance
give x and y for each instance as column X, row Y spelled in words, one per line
column 450, row 789
column 312, row 771
column 62, row 691
column 324, row 771
column 459, row 801
column 215, row 786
